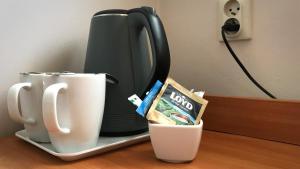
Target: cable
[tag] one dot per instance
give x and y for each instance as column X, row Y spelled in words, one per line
column 243, row 67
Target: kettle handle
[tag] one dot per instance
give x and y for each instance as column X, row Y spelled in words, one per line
column 145, row 17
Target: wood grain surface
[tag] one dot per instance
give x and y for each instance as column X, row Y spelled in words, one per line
column 217, row 151
column 277, row 120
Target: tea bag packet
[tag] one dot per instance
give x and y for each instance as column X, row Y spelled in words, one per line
column 176, row 105
column 145, row 105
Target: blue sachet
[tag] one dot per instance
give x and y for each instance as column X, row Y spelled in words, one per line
column 147, row 102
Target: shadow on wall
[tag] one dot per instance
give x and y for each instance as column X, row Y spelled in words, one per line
column 68, row 57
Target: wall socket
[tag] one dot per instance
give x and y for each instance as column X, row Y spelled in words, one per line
column 240, row 10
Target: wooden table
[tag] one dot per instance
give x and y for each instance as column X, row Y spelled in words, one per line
column 217, row 150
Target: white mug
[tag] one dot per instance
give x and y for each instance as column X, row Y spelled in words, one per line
column 73, row 106
column 29, row 93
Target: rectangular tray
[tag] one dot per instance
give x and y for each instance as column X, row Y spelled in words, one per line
column 104, row 144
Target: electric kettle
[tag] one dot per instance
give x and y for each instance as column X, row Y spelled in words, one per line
column 132, row 47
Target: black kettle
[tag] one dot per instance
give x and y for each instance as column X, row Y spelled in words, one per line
column 131, row 46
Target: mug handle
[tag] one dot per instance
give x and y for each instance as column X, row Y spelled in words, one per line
column 50, row 108
column 13, row 103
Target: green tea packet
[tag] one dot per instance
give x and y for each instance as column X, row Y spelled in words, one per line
column 176, row 105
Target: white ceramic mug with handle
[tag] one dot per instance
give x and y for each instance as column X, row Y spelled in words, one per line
column 73, row 106
column 28, row 96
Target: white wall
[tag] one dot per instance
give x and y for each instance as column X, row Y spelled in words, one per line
column 200, row 61
column 44, row 35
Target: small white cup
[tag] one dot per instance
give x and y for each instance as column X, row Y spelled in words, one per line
column 175, row 143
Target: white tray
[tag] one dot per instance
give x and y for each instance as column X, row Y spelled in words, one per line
column 104, row 144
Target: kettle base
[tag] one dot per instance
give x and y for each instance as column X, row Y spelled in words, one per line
column 127, row 133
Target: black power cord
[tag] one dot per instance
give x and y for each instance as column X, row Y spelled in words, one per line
column 233, row 26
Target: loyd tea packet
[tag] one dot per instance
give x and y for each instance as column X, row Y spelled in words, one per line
column 176, row 105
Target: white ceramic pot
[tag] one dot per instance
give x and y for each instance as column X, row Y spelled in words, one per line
column 175, row 143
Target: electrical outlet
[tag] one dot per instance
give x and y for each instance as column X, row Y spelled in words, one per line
column 240, row 10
